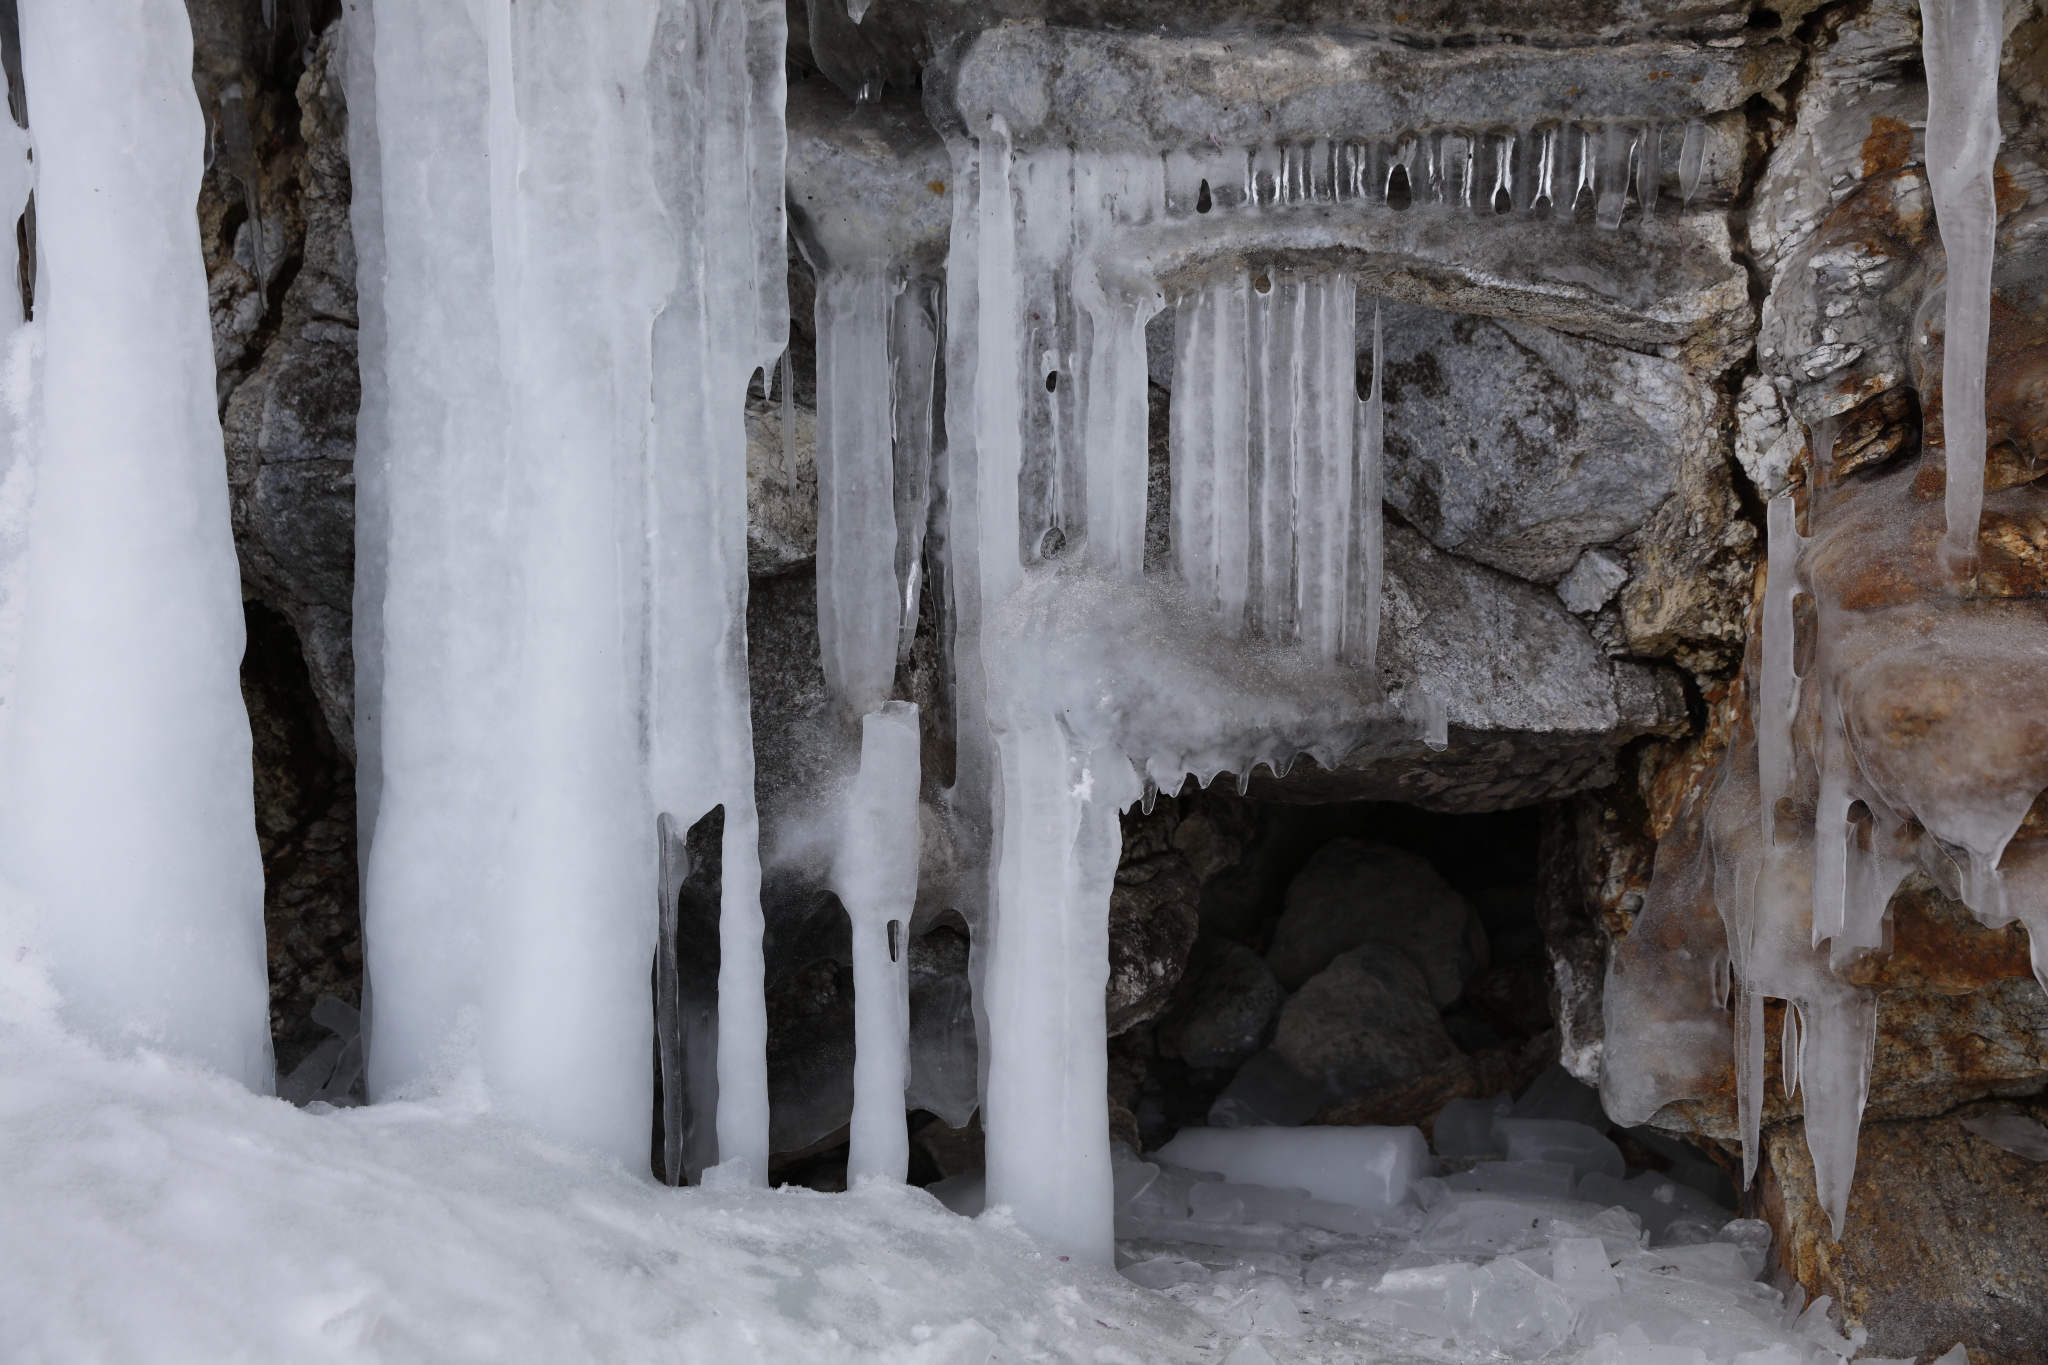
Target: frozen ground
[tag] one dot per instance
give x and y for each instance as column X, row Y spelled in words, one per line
column 160, row 1213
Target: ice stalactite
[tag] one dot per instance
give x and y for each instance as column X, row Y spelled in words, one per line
column 557, row 535
column 1960, row 41
column 877, row 355
column 875, row 875
column 126, row 711
column 1265, row 458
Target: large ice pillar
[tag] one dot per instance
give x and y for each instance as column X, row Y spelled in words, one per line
column 1960, row 40
column 126, row 817
column 1048, row 1106
column 576, row 247
column 875, row 874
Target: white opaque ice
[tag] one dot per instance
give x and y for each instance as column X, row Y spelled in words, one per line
column 1368, row 1168
column 875, row 875
column 554, row 651
column 127, row 826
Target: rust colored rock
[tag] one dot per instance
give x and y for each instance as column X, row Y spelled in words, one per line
column 1946, row 1239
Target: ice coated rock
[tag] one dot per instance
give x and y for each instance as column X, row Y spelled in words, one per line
column 1363, row 1021
column 1225, row 1007
column 1352, row 893
column 1367, row 1168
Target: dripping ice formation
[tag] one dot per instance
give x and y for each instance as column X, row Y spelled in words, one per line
column 570, row 221
column 1837, row 785
column 122, row 619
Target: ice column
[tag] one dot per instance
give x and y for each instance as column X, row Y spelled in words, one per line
column 126, row 820
column 1048, row 1109
column 576, row 236
column 875, row 876
column 1960, row 41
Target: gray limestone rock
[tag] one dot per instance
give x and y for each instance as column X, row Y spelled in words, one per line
column 1521, row 447
column 1365, row 1020
column 1352, row 893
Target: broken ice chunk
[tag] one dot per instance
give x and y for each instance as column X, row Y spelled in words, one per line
column 1367, row 1168
column 1580, row 1267
column 1553, row 1179
column 1581, row 1147
column 1465, row 1127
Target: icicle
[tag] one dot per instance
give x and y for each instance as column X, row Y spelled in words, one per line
column 1436, row 722
column 1649, row 167
column 875, row 875
column 1363, row 635
column 127, row 714
column 913, row 364
column 1960, row 42
column 1690, row 158
column 787, row 379
column 1616, row 142
column 1777, row 678
column 859, row 607
column 1791, row 1049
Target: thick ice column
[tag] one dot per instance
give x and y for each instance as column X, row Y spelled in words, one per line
column 512, row 872
column 1777, row 679
column 1048, row 1107
column 1960, row 40
column 570, row 315
column 875, row 875
column 126, row 819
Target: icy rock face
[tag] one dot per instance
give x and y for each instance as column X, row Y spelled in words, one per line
column 1886, row 715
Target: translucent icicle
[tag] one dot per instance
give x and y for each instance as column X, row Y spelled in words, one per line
column 1363, row 635
column 1777, row 680
column 913, row 366
column 1616, row 142
column 875, row 875
column 1960, row 42
column 859, row 605
column 1436, row 722
column 786, row 377
column 1691, row 156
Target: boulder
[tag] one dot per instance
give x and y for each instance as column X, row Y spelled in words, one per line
column 1353, row 893
column 1224, row 1009
column 1364, row 1021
